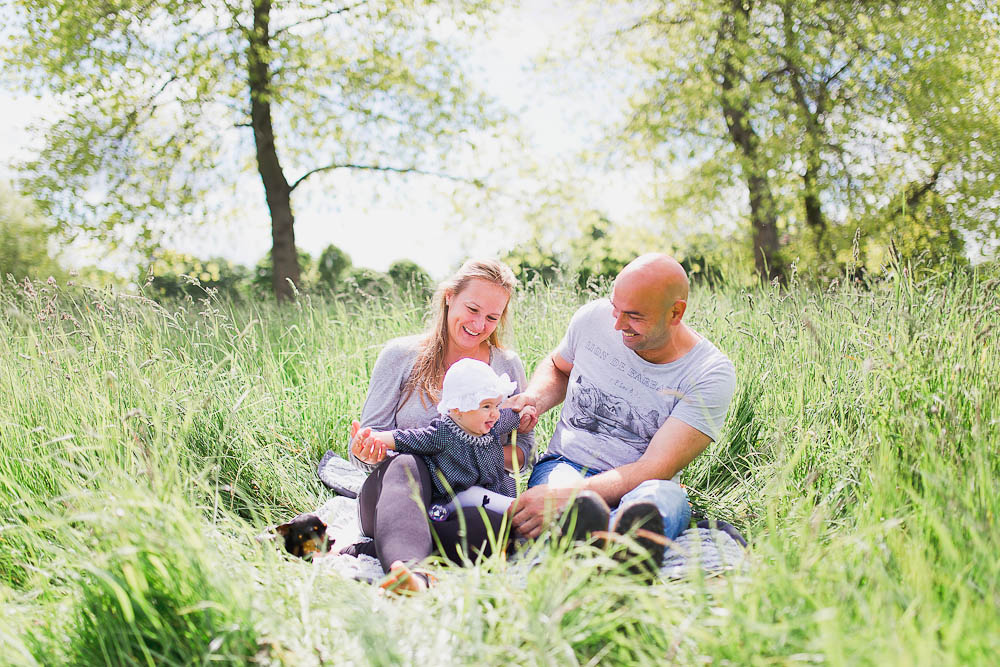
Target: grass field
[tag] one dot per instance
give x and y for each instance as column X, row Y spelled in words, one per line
column 142, row 447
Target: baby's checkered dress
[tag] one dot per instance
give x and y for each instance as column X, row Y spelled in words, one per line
column 457, row 459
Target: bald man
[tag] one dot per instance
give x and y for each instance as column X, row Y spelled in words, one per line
column 644, row 395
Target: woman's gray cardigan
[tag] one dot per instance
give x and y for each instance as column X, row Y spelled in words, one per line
column 382, row 410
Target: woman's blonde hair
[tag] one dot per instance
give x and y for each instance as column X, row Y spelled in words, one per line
column 429, row 369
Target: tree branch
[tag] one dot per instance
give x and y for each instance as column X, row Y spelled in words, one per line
column 321, row 17
column 147, row 110
column 368, row 113
column 774, row 74
column 656, row 20
column 917, row 191
column 836, row 75
column 372, row 167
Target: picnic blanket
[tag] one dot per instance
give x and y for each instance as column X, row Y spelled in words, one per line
column 711, row 547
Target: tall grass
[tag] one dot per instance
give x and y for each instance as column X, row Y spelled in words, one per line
column 142, row 447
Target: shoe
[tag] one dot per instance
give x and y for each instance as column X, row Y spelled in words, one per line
column 366, row 548
column 641, row 521
column 727, row 528
column 587, row 513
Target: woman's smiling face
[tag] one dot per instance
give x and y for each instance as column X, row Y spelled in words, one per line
column 474, row 313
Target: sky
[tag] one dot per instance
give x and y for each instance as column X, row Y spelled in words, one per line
column 414, row 217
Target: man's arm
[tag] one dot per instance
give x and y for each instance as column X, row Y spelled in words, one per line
column 674, row 445
column 546, row 390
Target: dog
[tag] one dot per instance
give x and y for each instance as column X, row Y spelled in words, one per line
column 305, row 536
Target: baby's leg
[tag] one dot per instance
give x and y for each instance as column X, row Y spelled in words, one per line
column 477, row 496
column 403, row 579
column 470, row 532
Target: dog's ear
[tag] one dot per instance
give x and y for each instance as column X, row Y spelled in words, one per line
column 309, row 521
column 282, row 529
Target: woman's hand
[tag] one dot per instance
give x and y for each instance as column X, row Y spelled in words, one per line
column 364, row 446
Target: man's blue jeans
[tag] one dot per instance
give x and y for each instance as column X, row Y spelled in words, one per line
column 668, row 496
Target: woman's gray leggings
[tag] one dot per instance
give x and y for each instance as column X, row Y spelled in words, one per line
column 393, row 505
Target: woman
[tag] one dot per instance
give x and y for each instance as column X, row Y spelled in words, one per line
column 469, row 312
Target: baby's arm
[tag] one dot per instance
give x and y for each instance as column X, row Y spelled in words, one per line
column 418, row 440
column 366, row 448
column 528, row 415
column 385, row 437
column 365, row 441
column 404, row 441
column 507, row 422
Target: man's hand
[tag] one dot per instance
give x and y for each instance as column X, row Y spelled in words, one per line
column 364, row 446
column 525, row 406
column 535, row 509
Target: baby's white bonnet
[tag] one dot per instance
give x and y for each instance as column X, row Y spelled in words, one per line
column 468, row 382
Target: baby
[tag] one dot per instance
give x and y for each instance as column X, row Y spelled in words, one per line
column 462, row 448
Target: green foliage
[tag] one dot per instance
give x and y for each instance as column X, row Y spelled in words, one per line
column 407, row 275
column 600, row 249
column 333, row 263
column 600, row 252
column 532, row 262
column 834, row 117
column 24, row 240
column 158, row 95
column 172, row 275
column 365, row 283
column 263, row 274
column 711, row 260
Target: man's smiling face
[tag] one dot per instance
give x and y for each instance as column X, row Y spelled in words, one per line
column 640, row 313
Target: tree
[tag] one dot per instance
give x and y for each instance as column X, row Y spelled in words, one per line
column 365, row 283
column 174, row 275
column 165, row 101
column 828, row 114
column 532, row 261
column 737, row 102
column 262, row 281
column 408, row 276
column 24, row 240
column 595, row 253
column 333, row 263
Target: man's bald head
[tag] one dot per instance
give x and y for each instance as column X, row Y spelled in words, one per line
column 648, row 301
column 659, row 272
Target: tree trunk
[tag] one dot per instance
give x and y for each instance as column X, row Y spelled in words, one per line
column 736, row 109
column 284, row 259
column 814, row 119
column 815, row 220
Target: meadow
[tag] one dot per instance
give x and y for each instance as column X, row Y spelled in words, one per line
column 143, row 446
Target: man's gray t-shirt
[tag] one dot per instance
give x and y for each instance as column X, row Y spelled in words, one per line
column 616, row 400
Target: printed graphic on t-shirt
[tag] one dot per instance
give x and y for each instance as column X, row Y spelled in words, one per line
column 603, row 413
